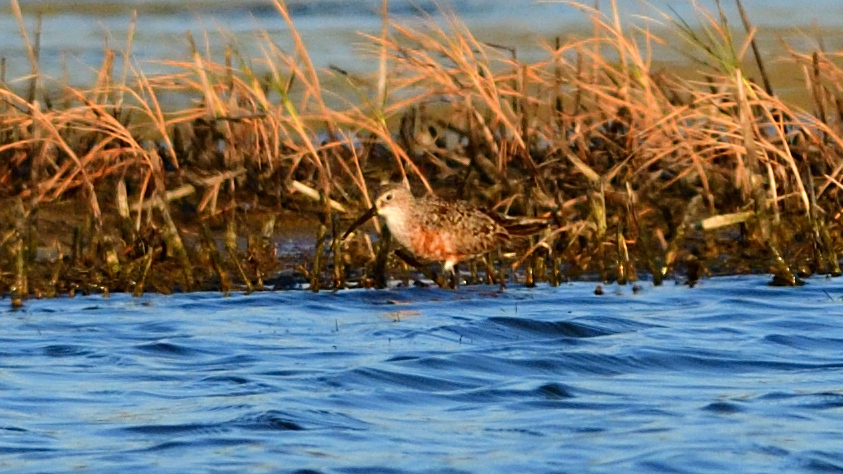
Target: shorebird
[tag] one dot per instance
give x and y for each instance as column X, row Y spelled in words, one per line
column 446, row 231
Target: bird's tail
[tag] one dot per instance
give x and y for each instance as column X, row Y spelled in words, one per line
column 527, row 228
column 522, row 226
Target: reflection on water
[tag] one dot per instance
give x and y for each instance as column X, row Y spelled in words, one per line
column 79, row 31
column 731, row 376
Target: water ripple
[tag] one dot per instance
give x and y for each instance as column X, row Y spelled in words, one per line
column 732, row 375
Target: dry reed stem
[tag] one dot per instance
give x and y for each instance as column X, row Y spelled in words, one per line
column 626, row 127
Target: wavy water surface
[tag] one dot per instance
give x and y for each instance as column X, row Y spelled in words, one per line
column 733, row 375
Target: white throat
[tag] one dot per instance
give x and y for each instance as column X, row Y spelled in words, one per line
column 396, row 222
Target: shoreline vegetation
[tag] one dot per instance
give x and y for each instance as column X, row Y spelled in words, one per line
column 640, row 171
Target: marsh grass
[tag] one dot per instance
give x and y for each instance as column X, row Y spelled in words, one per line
column 637, row 168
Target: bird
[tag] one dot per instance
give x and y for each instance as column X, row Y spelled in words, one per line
column 435, row 229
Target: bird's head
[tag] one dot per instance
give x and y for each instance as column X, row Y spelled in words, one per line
column 394, row 202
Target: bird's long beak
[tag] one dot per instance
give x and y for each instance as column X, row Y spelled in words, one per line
column 360, row 221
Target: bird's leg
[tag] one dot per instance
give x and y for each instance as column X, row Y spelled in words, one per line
column 490, row 269
column 410, row 259
column 472, row 270
column 449, row 270
column 381, row 260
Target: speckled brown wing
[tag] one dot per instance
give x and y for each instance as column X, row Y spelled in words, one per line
column 469, row 230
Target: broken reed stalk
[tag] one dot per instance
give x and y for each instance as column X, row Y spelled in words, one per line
column 127, row 230
column 315, row 195
column 233, row 254
column 92, row 237
column 170, row 233
column 626, row 268
column 529, row 279
column 755, row 52
column 52, row 289
column 262, row 244
column 623, row 263
column 318, row 251
column 539, row 263
column 782, row 274
column 379, row 270
column 112, row 263
column 20, row 288
column 817, row 88
column 825, row 258
column 558, row 102
column 678, row 239
column 556, row 269
column 383, row 58
column 127, row 55
column 35, row 83
column 325, row 218
column 644, row 241
column 216, row 259
column 336, row 248
column 597, row 216
column 140, row 283
column 532, row 275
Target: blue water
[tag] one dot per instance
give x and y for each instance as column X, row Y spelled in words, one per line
column 732, row 375
column 76, row 33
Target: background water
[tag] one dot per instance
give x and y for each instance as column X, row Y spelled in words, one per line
column 732, row 375
column 79, row 31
